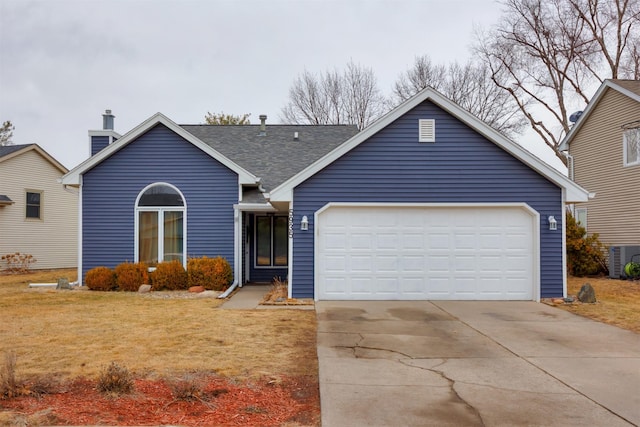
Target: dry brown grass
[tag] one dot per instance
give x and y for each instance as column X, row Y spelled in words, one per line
column 79, row 332
column 618, row 301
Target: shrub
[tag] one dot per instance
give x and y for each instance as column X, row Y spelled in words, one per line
column 585, row 254
column 129, row 276
column 188, row 387
column 101, row 279
column 18, row 263
column 211, row 273
column 279, row 291
column 169, row 275
column 115, row 379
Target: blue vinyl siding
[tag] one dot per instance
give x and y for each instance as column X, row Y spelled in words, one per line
column 98, row 143
column 110, row 189
column 460, row 167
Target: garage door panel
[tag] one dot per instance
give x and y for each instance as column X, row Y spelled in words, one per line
column 438, row 240
column 361, row 263
column 360, row 240
column 425, row 253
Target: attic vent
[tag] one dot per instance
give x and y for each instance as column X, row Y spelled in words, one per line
column 427, row 129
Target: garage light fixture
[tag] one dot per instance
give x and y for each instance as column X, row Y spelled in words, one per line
column 553, row 224
column 304, row 224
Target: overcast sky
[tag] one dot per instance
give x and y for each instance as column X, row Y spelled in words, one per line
column 63, row 62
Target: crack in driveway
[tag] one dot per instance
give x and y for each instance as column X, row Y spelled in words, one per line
column 403, row 360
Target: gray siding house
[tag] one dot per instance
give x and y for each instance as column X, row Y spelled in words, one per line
column 426, row 203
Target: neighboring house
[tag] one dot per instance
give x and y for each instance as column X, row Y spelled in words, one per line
column 426, row 203
column 604, row 154
column 37, row 215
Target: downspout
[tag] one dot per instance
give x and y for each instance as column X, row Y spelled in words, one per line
column 81, row 183
column 237, row 246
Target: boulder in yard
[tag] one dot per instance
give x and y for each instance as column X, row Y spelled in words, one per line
column 196, row 289
column 587, row 294
column 143, row 289
column 63, row 283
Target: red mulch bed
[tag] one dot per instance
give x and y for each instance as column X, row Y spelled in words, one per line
column 223, row 402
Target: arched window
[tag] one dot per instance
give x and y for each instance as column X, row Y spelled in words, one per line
column 161, row 224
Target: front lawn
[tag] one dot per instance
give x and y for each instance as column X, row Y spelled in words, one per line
column 77, row 333
column 618, row 301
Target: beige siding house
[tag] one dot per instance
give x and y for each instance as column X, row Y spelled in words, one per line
column 604, row 149
column 37, row 215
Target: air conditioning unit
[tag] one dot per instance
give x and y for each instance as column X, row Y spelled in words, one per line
column 619, row 256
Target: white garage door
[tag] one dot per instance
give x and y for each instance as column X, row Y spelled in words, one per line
column 446, row 253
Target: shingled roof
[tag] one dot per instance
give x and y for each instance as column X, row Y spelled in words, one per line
column 5, row 150
column 274, row 155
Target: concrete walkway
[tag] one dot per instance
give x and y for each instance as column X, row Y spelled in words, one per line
column 248, row 297
column 451, row 363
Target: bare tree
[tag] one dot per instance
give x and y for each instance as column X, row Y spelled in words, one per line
column 348, row 97
column 549, row 55
column 423, row 74
column 468, row 85
column 6, row 133
column 613, row 27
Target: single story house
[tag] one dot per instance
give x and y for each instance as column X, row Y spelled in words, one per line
column 426, row 203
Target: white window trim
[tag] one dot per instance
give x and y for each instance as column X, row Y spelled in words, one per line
column 255, row 243
column 160, row 210
column 581, row 212
column 625, row 142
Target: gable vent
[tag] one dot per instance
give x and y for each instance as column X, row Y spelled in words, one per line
column 427, row 129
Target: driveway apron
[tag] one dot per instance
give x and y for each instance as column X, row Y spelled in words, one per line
column 450, row 363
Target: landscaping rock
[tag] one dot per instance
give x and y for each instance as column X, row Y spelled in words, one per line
column 208, row 294
column 63, row 283
column 143, row 289
column 196, row 289
column 587, row 294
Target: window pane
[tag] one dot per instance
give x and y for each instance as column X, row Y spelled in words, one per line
column 280, row 240
column 33, row 205
column 161, row 195
column 173, row 236
column 33, row 198
column 632, row 145
column 263, row 240
column 148, row 235
column 33, row 211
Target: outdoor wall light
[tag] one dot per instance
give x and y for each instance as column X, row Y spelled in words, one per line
column 553, row 224
column 304, row 224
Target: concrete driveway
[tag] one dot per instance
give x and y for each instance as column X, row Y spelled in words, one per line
column 422, row 363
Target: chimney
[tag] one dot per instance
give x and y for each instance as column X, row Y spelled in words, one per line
column 99, row 139
column 107, row 120
column 263, row 124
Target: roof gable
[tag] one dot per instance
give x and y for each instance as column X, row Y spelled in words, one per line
column 629, row 88
column 73, row 177
column 572, row 191
column 10, row 151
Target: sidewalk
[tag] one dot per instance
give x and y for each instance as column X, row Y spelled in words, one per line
column 248, row 297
